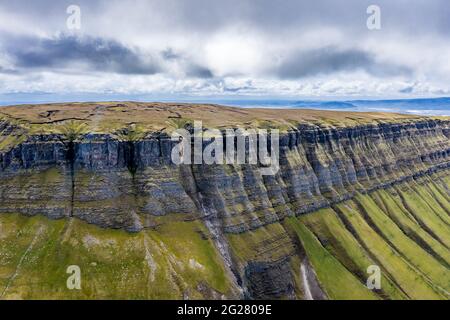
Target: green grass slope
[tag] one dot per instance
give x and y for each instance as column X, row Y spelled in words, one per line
column 174, row 261
column 403, row 229
column 339, row 242
column 336, row 280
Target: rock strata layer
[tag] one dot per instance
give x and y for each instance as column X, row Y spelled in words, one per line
column 318, row 167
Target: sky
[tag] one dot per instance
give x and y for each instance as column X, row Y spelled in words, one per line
column 192, row 49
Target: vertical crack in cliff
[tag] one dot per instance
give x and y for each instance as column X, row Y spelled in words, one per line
column 191, row 186
column 69, row 132
column 130, row 158
column 130, row 138
column 135, row 223
column 70, row 157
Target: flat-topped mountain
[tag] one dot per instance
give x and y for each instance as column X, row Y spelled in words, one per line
column 93, row 185
column 108, row 116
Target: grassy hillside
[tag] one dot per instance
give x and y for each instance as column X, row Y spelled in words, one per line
column 375, row 229
column 174, row 261
column 177, row 259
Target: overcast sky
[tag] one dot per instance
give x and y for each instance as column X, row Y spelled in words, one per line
column 235, row 48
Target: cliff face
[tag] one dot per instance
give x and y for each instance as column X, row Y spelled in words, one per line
column 318, row 168
column 123, row 182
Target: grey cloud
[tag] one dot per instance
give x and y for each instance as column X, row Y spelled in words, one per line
column 406, row 90
column 190, row 68
column 170, row 54
column 330, row 60
column 198, row 71
column 111, row 27
column 65, row 51
column 239, row 89
column 86, row 54
column 271, row 16
column 7, row 70
column 280, row 16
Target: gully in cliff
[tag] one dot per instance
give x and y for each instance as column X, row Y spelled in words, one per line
column 241, row 146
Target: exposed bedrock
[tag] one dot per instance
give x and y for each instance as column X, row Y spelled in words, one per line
column 129, row 184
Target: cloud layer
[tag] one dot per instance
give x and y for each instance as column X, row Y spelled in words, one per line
column 81, row 53
column 329, row 60
column 211, row 48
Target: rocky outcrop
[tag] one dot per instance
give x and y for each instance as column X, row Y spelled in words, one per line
column 126, row 184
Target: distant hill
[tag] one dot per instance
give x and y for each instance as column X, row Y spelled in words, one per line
column 428, row 106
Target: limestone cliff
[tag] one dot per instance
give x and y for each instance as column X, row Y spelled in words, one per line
column 123, row 178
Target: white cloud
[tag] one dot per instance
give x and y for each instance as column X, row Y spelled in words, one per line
column 235, row 52
column 228, row 48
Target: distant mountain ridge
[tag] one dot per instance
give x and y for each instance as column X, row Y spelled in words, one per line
column 425, row 106
column 419, row 106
